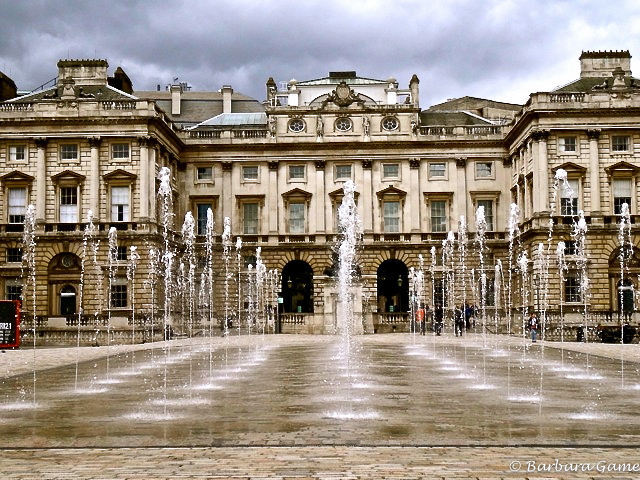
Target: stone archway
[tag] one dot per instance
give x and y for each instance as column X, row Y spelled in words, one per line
column 297, row 287
column 393, row 286
column 63, row 281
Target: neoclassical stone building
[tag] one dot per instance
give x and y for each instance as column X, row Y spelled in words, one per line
column 462, row 202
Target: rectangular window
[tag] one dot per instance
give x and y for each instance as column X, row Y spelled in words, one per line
column 14, row 255
column 620, row 143
column 204, row 174
column 17, row 204
column 202, row 210
column 569, row 247
column 437, row 170
column 296, row 218
column 17, row 153
column 69, row 152
column 296, row 172
column 488, row 212
column 484, row 169
column 13, row 289
column 572, row 288
column 622, row 191
column 391, row 170
column 250, row 218
column 119, row 204
column 121, row 254
column 569, row 197
column 567, row 144
column 391, row 217
column 119, row 293
column 439, row 216
column 343, row 172
column 120, row 151
column 68, row 204
column 250, row 173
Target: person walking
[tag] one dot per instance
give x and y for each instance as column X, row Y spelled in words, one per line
column 533, row 326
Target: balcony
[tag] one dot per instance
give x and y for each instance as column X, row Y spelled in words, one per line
column 466, row 132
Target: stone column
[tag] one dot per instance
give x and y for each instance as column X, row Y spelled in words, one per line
column 320, row 198
column 151, row 186
column 460, row 196
column 594, row 172
column 41, row 180
column 413, row 203
column 143, row 213
column 94, row 178
column 272, row 198
column 227, row 196
column 367, row 201
column 540, row 173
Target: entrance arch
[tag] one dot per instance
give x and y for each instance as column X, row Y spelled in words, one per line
column 64, row 271
column 297, row 287
column 621, row 284
column 393, row 286
column 68, row 304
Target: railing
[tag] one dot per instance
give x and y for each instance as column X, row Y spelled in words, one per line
column 388, row 318
column 216, row 134
column 16, row 107
column 463, row 130
column 249, row 133
column 566, row 97
column 294, row 318
column 118, row 105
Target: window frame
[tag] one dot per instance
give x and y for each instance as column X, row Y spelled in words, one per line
column 115, row 147
column 572, row 210
column 12, row 151
column 385, row 176
column 119, row 294
column 572, row 288
column 490, row 219
column 10, row 206
column 562, row 145
column 127, row 215
column 343, row 124
column 291, row 178
column 63, row 151
column 384, row 123
column 444, row 175
column 245, row 229
column 13, row 255
column 250, row 179
column 201, row 220
column 301, row 222
column 296, row 121
column 200, row 172
column 492, row 170
column 617, row 145
column 67, row 191
column 343, row 178
column 387, row 216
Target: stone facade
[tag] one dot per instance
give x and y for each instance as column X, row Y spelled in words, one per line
column 276, row 170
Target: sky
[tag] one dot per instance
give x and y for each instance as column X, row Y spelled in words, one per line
column 501, row 50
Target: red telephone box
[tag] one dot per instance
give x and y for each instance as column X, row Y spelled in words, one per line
column 9, row 323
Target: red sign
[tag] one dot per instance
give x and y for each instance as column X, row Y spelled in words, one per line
column 9, row 323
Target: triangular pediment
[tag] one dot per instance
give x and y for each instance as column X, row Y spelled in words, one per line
column 297, row 192
column 389, row 191
column 16, row 176
column 68, row 175
column 622, row 167
column 119, row 174
column 570, row 167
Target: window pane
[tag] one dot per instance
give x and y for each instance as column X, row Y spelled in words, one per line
column 250, row 218
column 69, row 152
column 392, row 217
column 296, row 218
column 620, row 143
column 569, row 197
column 250, row 173
column 343, row 171
column 568, row 144
column 17, row 153
column 437, row 169
column 622, row 187
column 484, row 169
column 438, row 216
column 120, row 204
column 390, row 171
column 205, row 173
column 120, row 150
column 488, row 212
column 296, row 172
column 17, row 205
column 68, row 205
column 202, row 209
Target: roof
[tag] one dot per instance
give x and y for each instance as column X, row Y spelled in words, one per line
column 235, row 120
column 350, row 78
column 451, row 119
column 587, row 84
column 473, row 103
column 95, row 92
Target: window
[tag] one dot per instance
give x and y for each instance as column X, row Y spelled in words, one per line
column 296, row 125
column 437, row 170
column 119, row 293
column 569, row 197
column 572, row 287
column 250, row 218
column 296, row 218
column 391, row 212
column 488, row 212
column 13, row 289
column 17, row 153
column 17, row 204
column 249, row 260
column 69, row 151
column 202, row 210
column 14, row 255
column 570, row 247
column 622, row 188
column 120, row 151
column 343, row 172
column 119, row 204
column 121, row 254
column 250, row 173
column 344, row 124
column 296, row 172
column 620, row 143
column 68, row 204
column 484, row 169
column 204, row 174
column 390, row 123
column 567, row 144
column 391, row 170
column 438, row 216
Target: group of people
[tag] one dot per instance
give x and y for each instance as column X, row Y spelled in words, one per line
column 463, row 315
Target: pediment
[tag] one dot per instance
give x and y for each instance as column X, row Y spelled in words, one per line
column 622, row 167
column 570, row 167
column 68, row 175
column 391, row 191
column 297, row 192
column 16, row 176
column 119, row 174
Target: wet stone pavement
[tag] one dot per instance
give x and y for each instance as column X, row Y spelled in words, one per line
column 378, row 406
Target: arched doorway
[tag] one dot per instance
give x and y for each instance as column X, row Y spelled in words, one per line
column 297, row 287
column 67, row 297
column 393, row 286
column 624, row 267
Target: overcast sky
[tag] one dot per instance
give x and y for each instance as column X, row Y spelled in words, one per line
column 497, row 49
